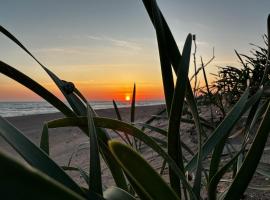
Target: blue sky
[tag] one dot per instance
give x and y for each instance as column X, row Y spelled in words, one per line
column 101, row 42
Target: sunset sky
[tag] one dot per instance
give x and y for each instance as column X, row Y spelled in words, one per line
column 104, row 46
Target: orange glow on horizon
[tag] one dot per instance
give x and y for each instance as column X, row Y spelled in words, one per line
column 92, row 92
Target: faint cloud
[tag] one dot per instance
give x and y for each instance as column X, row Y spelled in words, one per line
column 66, row 50
column 202, row 26
column 117, row 42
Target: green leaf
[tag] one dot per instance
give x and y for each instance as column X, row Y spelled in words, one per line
column 132, row 109
column 95, row 170
column 194, row 110
column 129, row 129
column 164, row 133
column 84, row 175
column 171, row 46
column 144, row 176
column 35, row 156
column 44, row 141
column 174, row 145
column 166, row 70
column 223, row 129
column 114, row 193
column 216, row 157
column 19, row 181
column 117, row 111
column 213, row 183
column 251, row 160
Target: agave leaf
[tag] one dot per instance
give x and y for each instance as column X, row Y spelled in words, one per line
column 44, row 141
column 35, row 156
column 214, row 180
column 167, row 76
column 135, row 189
column 223, row 129
column 174, row 145
column 115, row 193
column 95, row 170
column 19, row 181
column 216, row 157
column 194, row 110
column 251, row 160
column 129, row 129
column 171, row 46
column 143, row 176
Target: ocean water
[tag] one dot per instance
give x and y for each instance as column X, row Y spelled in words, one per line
column 11, row 109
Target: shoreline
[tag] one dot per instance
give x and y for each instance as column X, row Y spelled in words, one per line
column 109, row 112
column 16, row 109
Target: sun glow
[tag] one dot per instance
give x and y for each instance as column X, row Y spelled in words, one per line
column 127, row 98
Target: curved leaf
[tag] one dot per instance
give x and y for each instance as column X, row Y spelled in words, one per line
column 129, row 129
column 144, row 175
column 251, row 160
column 23, row 182
column 95, row 182
column 114, row 193
column 222, row 130
column 35, row 156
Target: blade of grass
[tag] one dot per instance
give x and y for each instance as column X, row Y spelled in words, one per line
column 174, row 145
column 251, row 160
column 167, row 76
column 132, row 112
column 129, row 129
column 222, row 130
column 44, row 141
column 84, row 175
column 132, row 108
column 212, row 187
column 120, row 118
column 94, row 169
column 164, row 133
column 117, row 111
column 171, row 45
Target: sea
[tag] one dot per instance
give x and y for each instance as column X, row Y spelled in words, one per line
column 12, row 109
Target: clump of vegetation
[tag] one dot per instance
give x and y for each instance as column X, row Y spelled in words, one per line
column 134, row 177
column 232, row 81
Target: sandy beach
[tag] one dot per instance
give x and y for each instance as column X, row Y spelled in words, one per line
column 64, row 141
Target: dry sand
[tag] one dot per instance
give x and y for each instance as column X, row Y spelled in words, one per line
column 64, row 141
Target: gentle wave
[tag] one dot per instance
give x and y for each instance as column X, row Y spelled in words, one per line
column 11, row 109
